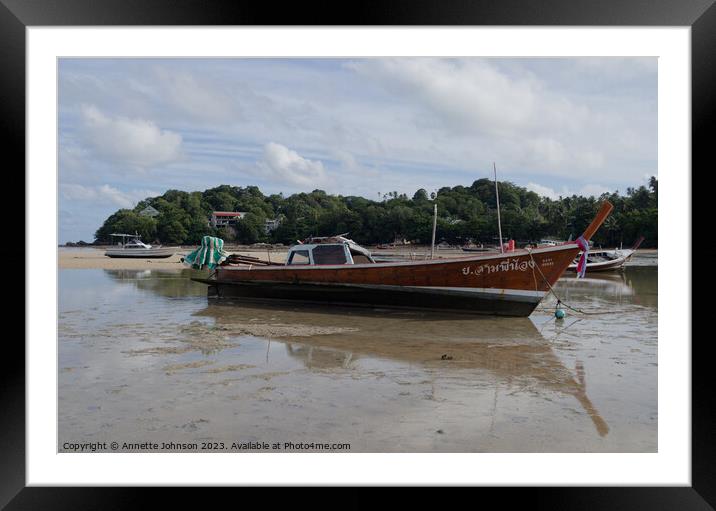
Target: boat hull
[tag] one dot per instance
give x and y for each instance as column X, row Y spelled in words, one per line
column 159, row 253
column 611, row 265
column 489, row 303
column 510, row 284
column 605, row 266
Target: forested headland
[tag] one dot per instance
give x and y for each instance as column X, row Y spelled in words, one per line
column 465, row 213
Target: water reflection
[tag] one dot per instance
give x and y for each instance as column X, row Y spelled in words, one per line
column 511, row 350
column 493, row 383
column 634, row 284
column 167, row 283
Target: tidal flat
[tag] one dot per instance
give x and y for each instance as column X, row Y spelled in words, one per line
column 145, row 358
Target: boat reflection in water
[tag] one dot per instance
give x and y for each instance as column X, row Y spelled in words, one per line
column 636, row 285
column 165, row 283
column 512, row 351
column 613, row 285
column 384, row 380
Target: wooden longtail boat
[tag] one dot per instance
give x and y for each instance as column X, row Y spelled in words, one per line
column 336, row 270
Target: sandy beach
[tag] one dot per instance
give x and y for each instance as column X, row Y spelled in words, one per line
column 72, row 258
column 93, row 258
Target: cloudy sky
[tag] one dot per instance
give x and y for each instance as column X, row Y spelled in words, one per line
column 133, row 128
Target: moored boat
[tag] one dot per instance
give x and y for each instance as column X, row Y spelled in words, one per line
column 131, row 245
column 337, row 270
column 607, row 260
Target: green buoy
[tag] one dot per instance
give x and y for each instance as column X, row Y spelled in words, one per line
column 559, row 312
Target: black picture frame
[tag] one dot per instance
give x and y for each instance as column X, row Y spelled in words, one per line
column 16, row 15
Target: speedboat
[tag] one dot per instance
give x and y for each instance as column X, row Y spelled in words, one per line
column 131, row 245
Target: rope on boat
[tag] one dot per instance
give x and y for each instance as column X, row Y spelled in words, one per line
column 559, row 300
column 593, row 312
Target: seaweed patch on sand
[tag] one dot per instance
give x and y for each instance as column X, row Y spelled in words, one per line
column 172, row 368
column 211, row 338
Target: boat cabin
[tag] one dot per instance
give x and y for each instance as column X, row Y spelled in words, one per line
column 328, row 251
column 131, row 241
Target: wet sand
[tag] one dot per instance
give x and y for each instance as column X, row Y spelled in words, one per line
column 144, row 356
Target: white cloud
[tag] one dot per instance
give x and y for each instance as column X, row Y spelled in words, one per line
column 554, row 157
column 199, row 98
column 478, row 110
column 548, row 151
column 472, row 95
column 136, row 142
column 589, row 190
column 353, row 171
column 104, row 193
column 623, row 68
column 78, row 192
column 465, row 96
column 281, row 164
column 72, row 158
column 544, row 191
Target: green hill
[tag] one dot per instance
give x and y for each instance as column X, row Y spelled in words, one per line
column 464, row 213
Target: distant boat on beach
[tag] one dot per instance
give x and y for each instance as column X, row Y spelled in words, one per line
column 130, row 245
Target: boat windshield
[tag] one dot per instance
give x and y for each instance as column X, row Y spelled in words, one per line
column 299, row 257
column 329, row 254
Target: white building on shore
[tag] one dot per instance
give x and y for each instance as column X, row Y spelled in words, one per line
column 225, row 218
column 149, row 211
column 271, row 225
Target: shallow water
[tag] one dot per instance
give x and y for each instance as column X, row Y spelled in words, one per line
column 144, row 356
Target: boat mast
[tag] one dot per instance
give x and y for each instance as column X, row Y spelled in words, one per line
column 497, row 196
column 435, row 224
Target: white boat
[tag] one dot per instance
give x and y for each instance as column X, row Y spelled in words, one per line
column 549, row 243
column 131, row 245
column 606, row 260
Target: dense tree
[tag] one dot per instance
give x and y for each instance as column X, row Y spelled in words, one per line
column 465, row 213
column 126, row 221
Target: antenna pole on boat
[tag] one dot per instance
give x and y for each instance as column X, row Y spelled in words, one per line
column 435, row 224
column 499, row 223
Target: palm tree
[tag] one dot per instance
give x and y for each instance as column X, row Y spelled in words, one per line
column 611, row 225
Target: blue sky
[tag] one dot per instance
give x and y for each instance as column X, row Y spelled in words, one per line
column 133, row 128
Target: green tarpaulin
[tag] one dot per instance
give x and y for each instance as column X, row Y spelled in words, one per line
column 210, row 253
